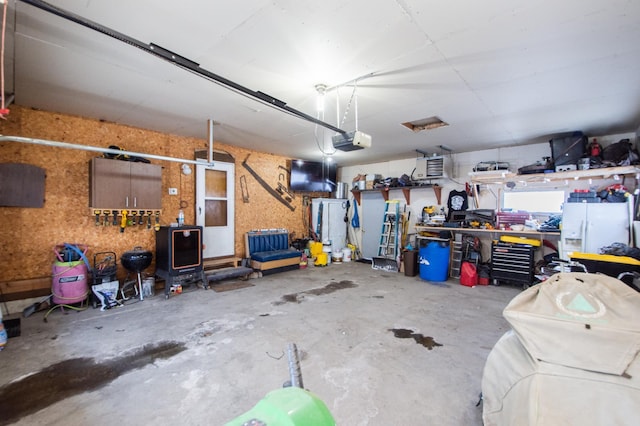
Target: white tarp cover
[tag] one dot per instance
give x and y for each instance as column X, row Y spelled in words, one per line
column 571, row 358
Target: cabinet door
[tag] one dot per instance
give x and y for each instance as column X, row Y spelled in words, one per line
column 110, row 184
column 607, row 223
column 146, row 186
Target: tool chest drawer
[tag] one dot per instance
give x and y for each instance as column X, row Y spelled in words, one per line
column 512, row 262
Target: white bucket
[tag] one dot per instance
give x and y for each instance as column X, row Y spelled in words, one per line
column 327, row 249
column 337, row 256
column 346, row 254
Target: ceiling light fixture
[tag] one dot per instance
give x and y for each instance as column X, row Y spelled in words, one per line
column 320, row 138
column 322, row 90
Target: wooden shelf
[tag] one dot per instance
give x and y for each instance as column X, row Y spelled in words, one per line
column 524, row 233
column 406, row 191
column 500, row 177
column 482, row 230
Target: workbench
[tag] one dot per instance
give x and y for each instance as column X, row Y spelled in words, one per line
column 519, row 266
column 491, row 233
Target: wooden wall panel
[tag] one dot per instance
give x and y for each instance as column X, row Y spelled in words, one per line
column 30, row 235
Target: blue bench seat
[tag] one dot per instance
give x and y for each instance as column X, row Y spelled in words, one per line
column 269, row 250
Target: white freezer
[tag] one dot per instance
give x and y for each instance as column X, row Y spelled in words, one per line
column 332, row 225
column 586, row 227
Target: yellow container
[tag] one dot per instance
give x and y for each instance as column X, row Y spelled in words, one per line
column 321, row 259
column 315, row 248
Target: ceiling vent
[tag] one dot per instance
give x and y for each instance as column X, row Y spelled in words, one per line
column 425, row 124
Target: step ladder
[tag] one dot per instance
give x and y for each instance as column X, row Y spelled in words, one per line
column 388, row 249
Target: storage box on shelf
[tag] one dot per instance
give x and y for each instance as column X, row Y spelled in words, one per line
column 504, row 220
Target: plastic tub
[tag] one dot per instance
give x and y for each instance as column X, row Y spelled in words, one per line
column 434, row 261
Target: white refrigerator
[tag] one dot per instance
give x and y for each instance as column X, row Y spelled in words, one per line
column 586, row 227
column 330, row 224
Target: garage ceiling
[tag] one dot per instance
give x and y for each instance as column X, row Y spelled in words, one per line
column 498, row 72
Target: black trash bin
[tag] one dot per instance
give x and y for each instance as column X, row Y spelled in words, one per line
column 410, row 263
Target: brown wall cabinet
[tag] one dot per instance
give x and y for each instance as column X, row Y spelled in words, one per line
column 117, row 184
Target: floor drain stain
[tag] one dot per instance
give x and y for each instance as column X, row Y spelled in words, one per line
column 327, row 289
column 72, row 377
column 426, row 341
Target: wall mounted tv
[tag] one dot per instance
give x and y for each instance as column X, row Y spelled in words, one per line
column 313, row 176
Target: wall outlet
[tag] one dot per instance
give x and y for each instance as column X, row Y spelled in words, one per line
column 173, row 191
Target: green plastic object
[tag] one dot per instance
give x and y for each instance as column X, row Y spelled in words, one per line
column 287, row 407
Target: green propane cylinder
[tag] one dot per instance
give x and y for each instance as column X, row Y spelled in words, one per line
column 290, row 406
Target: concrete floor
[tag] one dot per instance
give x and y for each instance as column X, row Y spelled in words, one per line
column 205, row 357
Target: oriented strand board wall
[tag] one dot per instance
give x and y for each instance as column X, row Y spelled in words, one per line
column 30, row 234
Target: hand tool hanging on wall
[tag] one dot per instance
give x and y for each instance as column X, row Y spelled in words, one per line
column 123, row 221
column 106, row 222
column 97, row 214
column 285, row 169
column 282, row 190
column 284, row 187
column 133, row 220
column 157, row 225
column 244, row 189
column 471, row 193
column 266, row 186
column 115, row 217
column 141, row 218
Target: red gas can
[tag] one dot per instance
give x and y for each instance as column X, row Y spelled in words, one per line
column 468, row 274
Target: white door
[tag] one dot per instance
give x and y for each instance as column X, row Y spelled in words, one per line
column 371, row 220
column 215, row 208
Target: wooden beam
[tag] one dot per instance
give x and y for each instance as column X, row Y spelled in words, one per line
column 24, row 289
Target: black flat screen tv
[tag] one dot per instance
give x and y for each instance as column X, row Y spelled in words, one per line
column 313, row 176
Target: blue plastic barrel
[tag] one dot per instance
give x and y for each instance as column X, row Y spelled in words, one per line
column 434, row 261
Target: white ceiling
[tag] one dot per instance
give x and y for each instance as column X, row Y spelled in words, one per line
column 500, row 72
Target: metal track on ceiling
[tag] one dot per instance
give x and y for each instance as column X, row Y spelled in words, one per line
column 181, row 62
